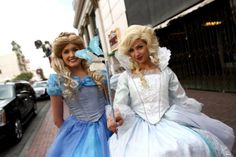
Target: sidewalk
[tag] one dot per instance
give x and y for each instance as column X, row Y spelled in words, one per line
column 43, row 137
column 221, row 106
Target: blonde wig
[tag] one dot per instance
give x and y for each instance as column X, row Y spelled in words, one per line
column 145, row 33
column 57, row 63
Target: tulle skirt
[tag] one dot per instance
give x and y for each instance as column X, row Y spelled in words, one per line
column 81, row 139
column 167, row 138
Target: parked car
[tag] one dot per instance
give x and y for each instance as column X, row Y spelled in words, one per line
column 17, row 106
column 40, row 88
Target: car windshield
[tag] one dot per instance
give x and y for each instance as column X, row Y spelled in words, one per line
column 6, row 92
column 40, row 84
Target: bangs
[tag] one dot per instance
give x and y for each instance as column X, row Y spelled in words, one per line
column 61, row 42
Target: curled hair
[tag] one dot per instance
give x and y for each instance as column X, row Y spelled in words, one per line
column 145, row 33
column 57, row 63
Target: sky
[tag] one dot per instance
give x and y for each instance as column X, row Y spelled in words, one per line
column 26, row 21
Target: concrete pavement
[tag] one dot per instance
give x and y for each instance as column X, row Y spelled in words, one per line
column 221, row 106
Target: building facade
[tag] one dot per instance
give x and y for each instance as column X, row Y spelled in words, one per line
column 11, row 65
column 200, row 33
column 105, row 18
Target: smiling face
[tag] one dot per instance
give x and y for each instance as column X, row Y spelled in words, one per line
column 69, row 58
column 139, row 52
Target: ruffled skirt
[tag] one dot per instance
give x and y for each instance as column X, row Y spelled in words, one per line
column 81, row 139
column 167, row 138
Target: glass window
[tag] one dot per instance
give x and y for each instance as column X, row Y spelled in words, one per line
column 6, row 92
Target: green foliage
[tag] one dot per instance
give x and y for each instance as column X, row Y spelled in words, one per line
column 24, row 76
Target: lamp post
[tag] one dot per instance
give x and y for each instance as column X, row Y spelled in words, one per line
column 46, row 47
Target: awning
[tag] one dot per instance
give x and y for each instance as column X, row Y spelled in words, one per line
column 195, row 7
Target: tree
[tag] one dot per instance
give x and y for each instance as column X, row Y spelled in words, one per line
column 24, row 76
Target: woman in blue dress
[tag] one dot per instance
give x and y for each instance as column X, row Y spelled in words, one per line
column 153, row 115
column 84, row 133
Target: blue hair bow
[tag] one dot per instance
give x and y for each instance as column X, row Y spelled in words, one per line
column 92, row 48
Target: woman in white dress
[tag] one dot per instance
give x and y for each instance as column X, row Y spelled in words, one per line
column 154, row 117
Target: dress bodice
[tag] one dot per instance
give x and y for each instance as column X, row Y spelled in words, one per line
column 151, row 103
column 88, row 101
column 148, row 102
column 88, row 104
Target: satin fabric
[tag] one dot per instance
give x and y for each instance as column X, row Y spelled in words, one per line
column 84, row 133
column 152, row 127
column 81, row 139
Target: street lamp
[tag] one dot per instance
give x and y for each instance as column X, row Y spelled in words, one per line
column 46, row 46
column 47, row 49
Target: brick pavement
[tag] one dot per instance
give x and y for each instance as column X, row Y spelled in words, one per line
column 221, row 106
column 43, row 137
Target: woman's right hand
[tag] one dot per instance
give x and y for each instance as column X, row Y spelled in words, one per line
column 113, row 124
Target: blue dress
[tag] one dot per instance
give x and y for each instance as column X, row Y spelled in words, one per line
column 84, row 133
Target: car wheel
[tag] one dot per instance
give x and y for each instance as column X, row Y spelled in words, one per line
column 17, row 131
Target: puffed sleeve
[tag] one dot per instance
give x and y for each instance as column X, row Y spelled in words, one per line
column 177, row 95
column 122, row 96
column 114, row 80
column 53, row 88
